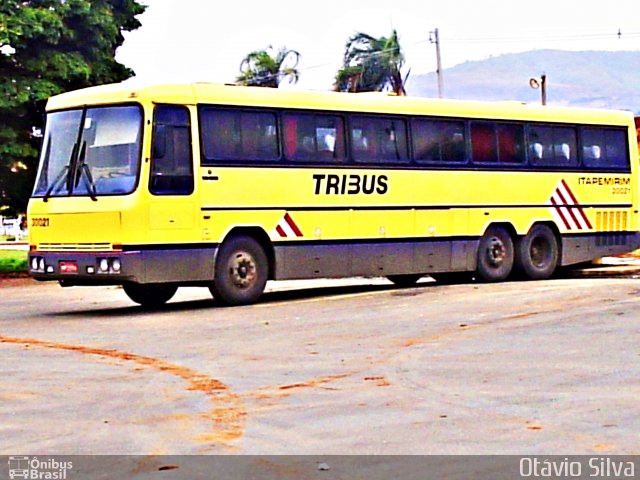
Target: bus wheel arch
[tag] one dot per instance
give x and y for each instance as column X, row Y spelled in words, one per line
column 260, row 236
column 538, row 253
column 496, row 253
column 242, row 267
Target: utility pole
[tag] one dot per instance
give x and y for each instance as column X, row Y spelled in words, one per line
column 436, row 39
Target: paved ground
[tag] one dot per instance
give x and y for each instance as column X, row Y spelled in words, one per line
column 323, row 368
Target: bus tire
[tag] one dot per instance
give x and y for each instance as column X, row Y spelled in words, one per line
column 495, row 255
column 150, row 295
column 537, row 253
column 405, row 280
column 241, row 271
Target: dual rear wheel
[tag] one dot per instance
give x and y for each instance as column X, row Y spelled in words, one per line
column 534, row 256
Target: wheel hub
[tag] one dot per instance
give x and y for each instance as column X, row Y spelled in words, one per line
column 243, row 270
column 496, row 251
column 538, row 252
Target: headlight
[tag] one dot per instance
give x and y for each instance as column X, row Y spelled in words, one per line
column 115, row 265
column 103, row 265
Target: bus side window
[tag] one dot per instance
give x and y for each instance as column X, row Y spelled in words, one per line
column 497, row 142
column 605, row 149
column 238, row 136
column 313, row 138
column 378, row 140
column 510, row 143
column 171, row 160
column 484, row 148
column 438, row 140
column 553, row 146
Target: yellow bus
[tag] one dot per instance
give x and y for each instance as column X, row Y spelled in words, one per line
column 227, row 187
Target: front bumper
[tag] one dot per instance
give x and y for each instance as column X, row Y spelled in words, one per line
column 95, row 268
column 183, row 265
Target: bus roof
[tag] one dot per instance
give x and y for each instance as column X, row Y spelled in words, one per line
column 375, row 102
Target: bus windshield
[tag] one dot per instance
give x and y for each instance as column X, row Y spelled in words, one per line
column 90, row 152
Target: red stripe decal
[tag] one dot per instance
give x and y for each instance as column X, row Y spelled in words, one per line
column 292, row 224
column 575, row 200
column 570, row 210
column 280, row 231
column 558, row 209
column 585, row 218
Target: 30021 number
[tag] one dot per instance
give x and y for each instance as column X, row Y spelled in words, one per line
column 621, row 190
column 39, row 222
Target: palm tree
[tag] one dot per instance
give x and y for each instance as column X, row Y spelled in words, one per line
column 264, row 68
column 371, row 64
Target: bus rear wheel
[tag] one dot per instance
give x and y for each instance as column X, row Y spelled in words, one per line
column 150, row 295
column 537, row 253
column 241, row 271
column 495, row 255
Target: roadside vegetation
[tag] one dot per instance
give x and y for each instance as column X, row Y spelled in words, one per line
column 13, row 261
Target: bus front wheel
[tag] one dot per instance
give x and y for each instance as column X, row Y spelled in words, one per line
column 241, row 271
column 495, row 255
column 537, row 253
column 150, row 295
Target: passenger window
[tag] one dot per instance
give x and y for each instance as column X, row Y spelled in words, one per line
column 171, row 160
column 438, row 140
column 238, row 136
column 313, row 138
column 378, row 140
column 484, row 148
column 553, row 146
column 510, row 143
column 605, row 148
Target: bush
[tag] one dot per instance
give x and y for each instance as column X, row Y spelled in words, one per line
column 13, row 261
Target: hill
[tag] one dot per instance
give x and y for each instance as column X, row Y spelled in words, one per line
column 585, row 79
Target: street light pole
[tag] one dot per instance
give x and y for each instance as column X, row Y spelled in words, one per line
column 542, row 85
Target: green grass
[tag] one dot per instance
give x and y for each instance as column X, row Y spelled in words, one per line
column 13, row 261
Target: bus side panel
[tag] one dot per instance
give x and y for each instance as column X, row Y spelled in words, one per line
column 579, row 249
column 304, row 261
column 178, row 265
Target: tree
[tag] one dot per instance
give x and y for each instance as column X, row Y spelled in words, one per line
column 371, row 64
column 48, row 47
column 263, row 68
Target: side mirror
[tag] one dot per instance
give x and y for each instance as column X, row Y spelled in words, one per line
column 159, row 147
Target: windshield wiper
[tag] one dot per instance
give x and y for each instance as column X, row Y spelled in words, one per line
column 63, row 175
column 84, row 168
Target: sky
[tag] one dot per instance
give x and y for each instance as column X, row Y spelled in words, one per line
column 205, row 40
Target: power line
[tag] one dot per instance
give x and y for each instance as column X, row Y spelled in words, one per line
column 618, row 35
